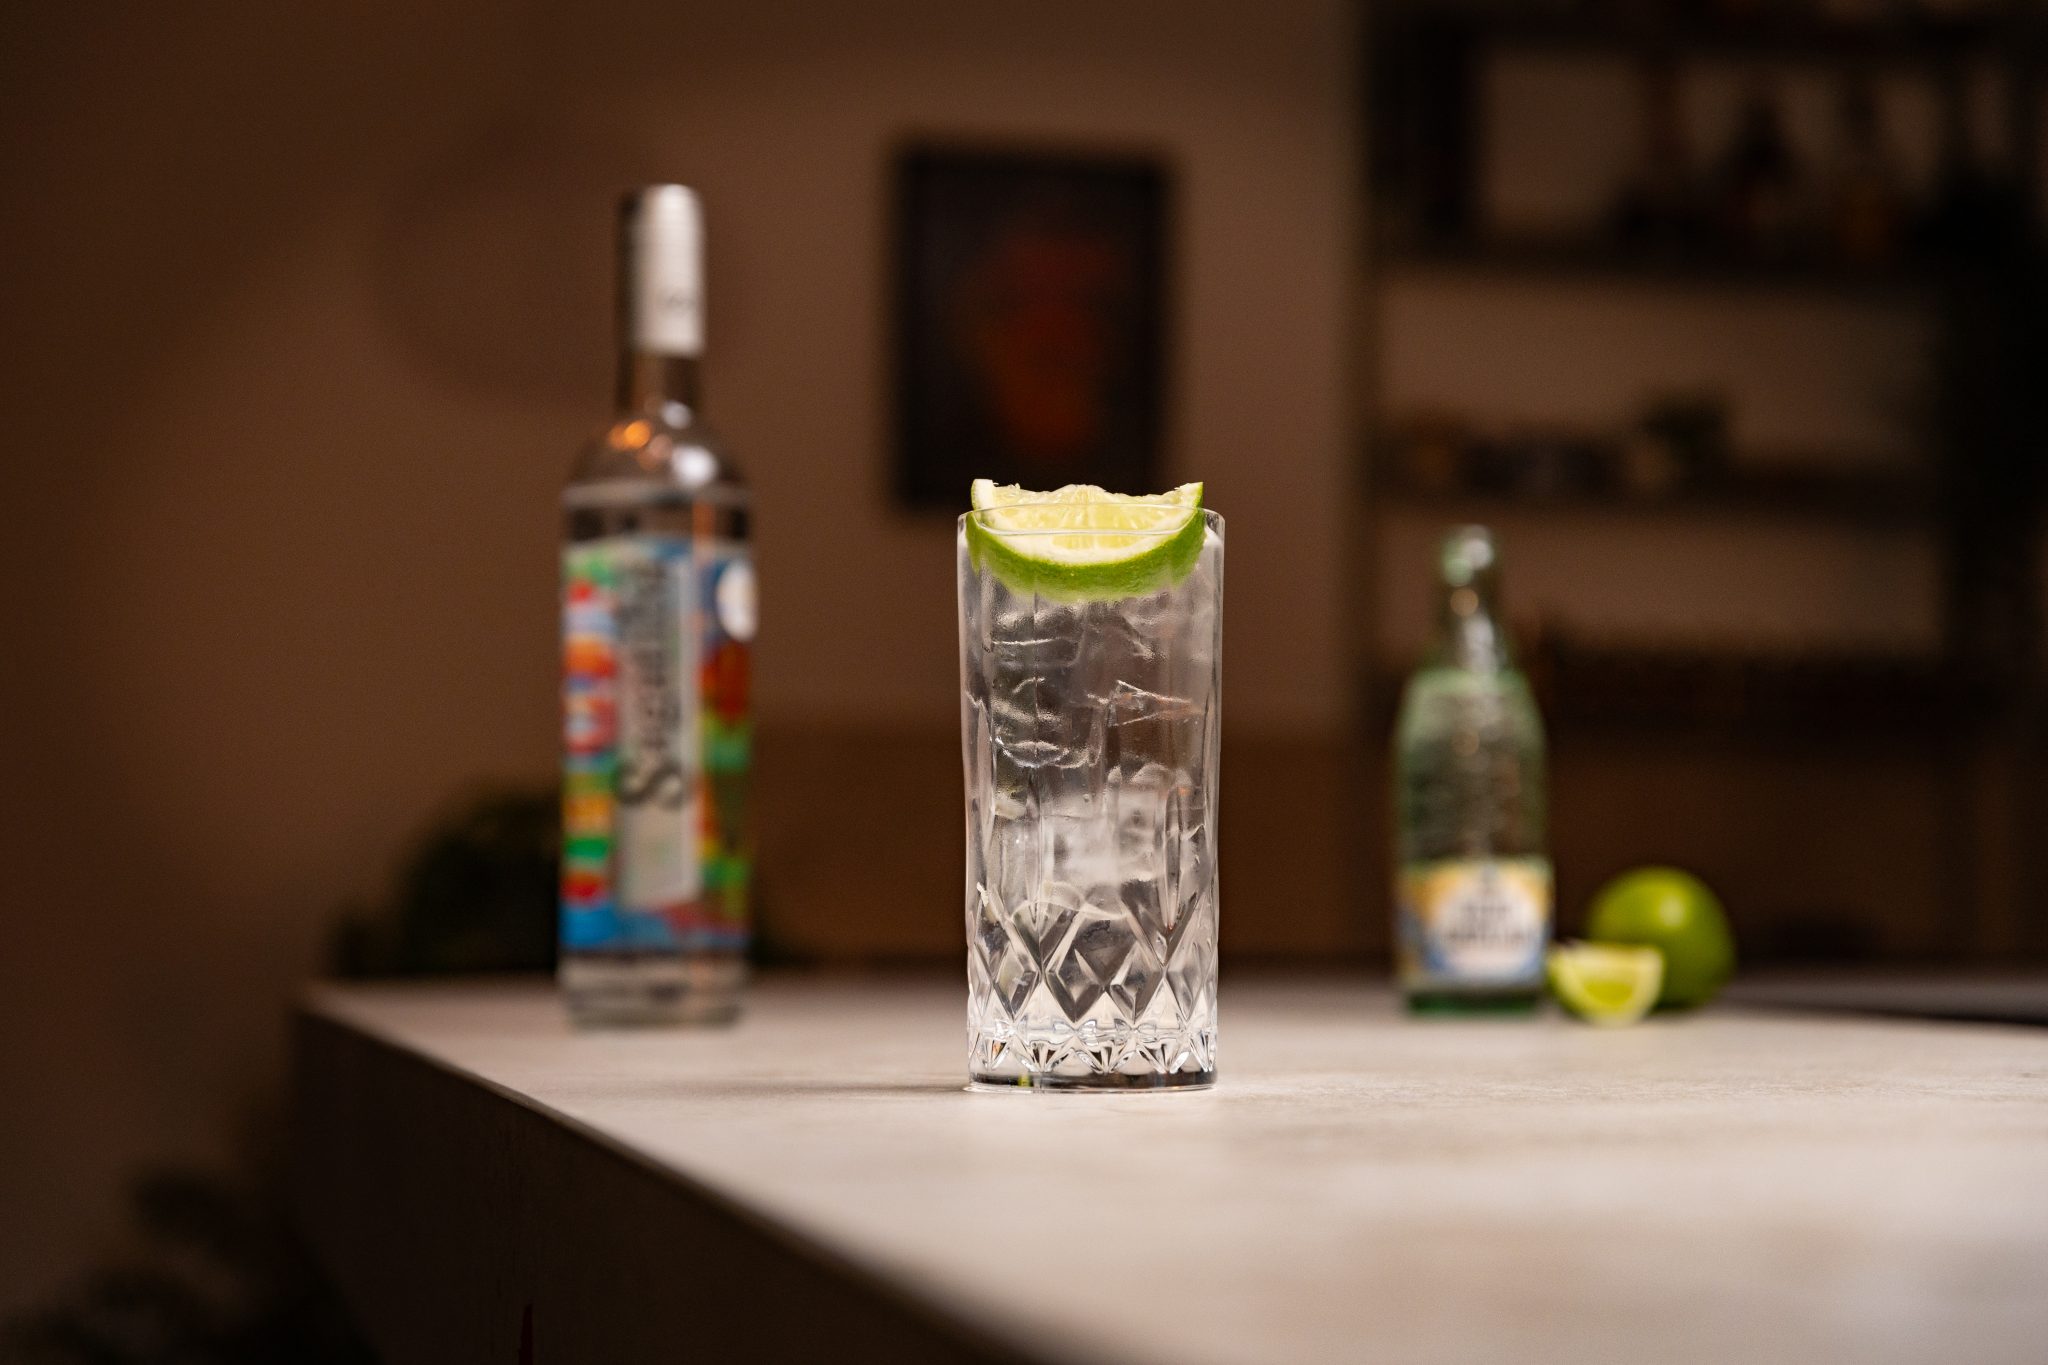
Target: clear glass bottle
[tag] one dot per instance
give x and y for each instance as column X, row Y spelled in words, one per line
column 658, row 617
column 1473, row 883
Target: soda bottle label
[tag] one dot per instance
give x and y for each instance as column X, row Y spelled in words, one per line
column 1479, row 921
column 656, row 740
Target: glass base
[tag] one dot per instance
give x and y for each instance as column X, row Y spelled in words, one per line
column 1109, row 1082
column 1159, row 1054
column 1439, row 1003
column 608, row 990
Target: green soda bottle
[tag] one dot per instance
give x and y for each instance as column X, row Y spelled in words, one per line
column 1472, row 871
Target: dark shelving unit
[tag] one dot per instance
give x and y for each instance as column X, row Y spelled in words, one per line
column 1870, row 498
column 1569, row 261
column 1423, row 153
column 1977, row 707
column 1789, row 36
column 1805, row 702
column 1816, row 698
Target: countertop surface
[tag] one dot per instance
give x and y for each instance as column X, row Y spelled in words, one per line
column 1738, row 1185
column 1985, row 997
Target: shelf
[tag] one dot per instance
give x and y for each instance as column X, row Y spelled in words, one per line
column 1892, row 500
column 1566, row 260
column 1730, row 696
column 1821, row 695
column 1920, row 42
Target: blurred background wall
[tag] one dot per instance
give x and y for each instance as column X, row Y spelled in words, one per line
column 307, row 307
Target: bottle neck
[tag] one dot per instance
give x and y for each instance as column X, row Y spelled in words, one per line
column 1469, row 636
column 651, row 382
column 661, row 301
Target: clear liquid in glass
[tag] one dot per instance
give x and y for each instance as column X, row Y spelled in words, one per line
column 1090, row 734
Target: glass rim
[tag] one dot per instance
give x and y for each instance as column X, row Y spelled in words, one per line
column 1211, row 518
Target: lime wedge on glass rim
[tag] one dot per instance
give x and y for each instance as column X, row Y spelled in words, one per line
column 1606, row 983
column 1081, row 543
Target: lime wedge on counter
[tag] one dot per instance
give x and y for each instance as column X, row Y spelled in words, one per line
column 1081, row 543
column 1606, row 983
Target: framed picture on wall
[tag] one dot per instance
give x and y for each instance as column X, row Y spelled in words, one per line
column 1030, row 321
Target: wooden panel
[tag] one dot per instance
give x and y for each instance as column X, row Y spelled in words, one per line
column 463, row 1225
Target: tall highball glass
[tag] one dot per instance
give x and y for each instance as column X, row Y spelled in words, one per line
column 1089, row 729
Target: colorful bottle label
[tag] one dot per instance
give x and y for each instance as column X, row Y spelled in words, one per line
column 1473, row 922
column 656, row 632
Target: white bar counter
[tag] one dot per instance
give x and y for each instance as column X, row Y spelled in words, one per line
column 486, row 1184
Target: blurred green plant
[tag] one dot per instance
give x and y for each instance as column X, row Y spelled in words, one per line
column 476, row 894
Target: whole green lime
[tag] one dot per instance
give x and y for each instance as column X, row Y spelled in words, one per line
column 1673, row 911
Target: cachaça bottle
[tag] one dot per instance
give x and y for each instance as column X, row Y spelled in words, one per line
column 657, row 622
column 1473, row 883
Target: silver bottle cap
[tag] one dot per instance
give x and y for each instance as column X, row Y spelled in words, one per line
column 661, row 270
